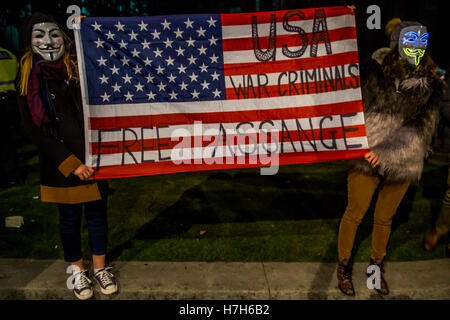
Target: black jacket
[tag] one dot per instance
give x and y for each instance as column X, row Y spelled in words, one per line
column 60, row 155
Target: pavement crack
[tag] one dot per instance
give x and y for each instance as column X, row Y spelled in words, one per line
column 267, row 280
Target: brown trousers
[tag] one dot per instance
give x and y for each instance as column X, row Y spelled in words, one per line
column 361, row 189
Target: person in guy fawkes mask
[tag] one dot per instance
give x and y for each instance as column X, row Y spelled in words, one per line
column 401, row 90
column 50, row 103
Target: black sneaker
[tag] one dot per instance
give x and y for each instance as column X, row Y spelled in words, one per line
column 82, row 285
column 106, row 281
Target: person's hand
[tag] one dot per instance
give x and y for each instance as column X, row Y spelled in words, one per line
column 372, row 158
column 83, row 172
column 78, row 19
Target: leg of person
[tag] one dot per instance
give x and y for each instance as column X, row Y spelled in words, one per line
column 442, row 225
column 96, row 216
column 8, row 129
column 443, row 222
column 69, row 224
column 361, row 188
column 389, row 198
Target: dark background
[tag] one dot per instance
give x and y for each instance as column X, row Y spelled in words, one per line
column 430, row 13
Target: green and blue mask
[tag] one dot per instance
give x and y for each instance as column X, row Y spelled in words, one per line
column 412, row 43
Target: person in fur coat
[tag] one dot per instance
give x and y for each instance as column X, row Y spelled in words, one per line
column 401, row 90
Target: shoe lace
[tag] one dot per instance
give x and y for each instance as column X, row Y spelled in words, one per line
column 105, row 276
column 82, row 280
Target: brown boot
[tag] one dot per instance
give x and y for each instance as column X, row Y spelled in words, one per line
column 344, row 275
column 430, row 240
column 384, row 289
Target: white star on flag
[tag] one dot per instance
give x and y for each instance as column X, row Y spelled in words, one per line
column 202, row 50
column 160, row 70
column 147, row 61
column 128, row 96
column 135, row 53
column 151, row 95
column 205, row 85
column 127, row 78
column 189, row 23
column 133, row 36
column 112, row 52
column 110, row 35
column 181, row 69
column 124, row 61
column 105, row 97
column 119, row 26
column 193, row 77
column 145, row 44
column 169, row 61
column 116, row 87
column 101, row 61
column 139, row 87
column 211, row 22
column 171, row 78
column 99, row 43
column 104, row 79
column 143, row 26
column 158, row 52
column 155, row 34
column 201, row 32
column 137, row 69
column 96, row 26
column 166, row 24
column 173, row 95
column 114, row 70
column 178, row 33
column 161, row 86
column 123, row 44
column 195, row 94
column 203, row 68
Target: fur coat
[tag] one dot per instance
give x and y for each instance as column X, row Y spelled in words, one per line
column 400, row 119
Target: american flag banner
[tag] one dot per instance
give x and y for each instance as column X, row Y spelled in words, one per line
column 178, row 93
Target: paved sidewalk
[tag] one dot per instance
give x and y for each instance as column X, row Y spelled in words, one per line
column 46, row 279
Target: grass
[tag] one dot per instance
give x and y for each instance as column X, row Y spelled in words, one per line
column 228, row 215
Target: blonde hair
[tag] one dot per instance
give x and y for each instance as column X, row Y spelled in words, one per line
column 391, row 25
column 26, row 65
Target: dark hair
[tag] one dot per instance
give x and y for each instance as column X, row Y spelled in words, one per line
column 28, row 24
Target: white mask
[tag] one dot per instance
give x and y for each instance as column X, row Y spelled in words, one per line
column 47, row 40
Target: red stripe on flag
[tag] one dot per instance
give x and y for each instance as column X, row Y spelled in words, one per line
column 164, row 167
column 225, row 116
column 229, row 19
column 290, row 40
column 291, row 64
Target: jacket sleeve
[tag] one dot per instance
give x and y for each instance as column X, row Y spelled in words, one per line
column 51, row 148
column 411, row 141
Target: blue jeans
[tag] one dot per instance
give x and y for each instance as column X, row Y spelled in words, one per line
column 70, row 216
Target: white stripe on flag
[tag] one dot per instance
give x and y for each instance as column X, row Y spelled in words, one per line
column 116, row 158
column 307, row 100
column 248, row 56
column 186, row 130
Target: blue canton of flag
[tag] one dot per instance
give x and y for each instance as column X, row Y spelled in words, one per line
column 153, row 59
